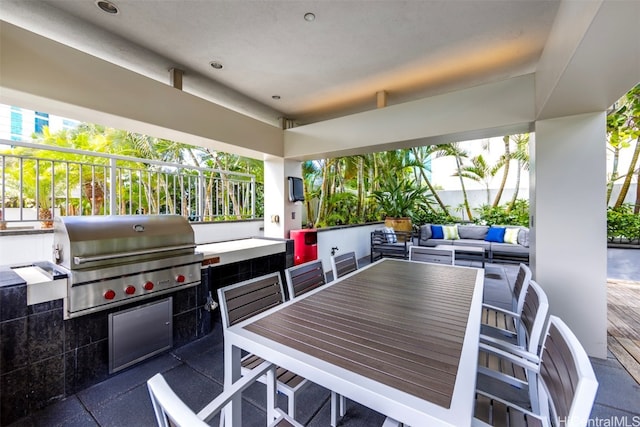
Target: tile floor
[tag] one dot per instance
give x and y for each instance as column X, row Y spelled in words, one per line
column 196, row 373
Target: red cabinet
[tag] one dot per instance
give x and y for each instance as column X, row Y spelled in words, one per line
column 305, row 245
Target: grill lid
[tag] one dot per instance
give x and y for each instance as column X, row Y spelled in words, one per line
column 87, row 242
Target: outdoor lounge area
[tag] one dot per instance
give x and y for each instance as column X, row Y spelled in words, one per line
column 196, row 372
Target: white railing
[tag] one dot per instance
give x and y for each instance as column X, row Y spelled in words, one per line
column 52, row 181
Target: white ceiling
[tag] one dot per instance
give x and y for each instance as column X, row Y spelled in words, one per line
column 322, row 69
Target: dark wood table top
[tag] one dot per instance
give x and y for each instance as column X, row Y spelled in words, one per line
column 397, row 323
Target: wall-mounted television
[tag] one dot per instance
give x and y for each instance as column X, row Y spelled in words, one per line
column 296, row 189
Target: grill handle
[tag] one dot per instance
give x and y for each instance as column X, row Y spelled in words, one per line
column 83, row 260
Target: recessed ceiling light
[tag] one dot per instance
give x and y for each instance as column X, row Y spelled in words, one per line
column 216, row 65
column 309, row 17
column 107, row 6
column 275, row 96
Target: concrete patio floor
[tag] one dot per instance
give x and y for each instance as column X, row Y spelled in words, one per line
column 196, row 373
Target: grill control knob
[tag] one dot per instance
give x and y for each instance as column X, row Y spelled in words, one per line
column 180, row 278
column 130, row 290
column 148, row 286
column 110, row 294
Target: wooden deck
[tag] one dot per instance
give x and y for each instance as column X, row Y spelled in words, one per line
column 623, row 301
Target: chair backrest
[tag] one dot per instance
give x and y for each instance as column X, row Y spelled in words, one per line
column 520, row 288
column 567, row 376
column 243, row 300
column 343, row 264
column 304, row 277
column 533, row 319
column 171, row 411
column 434, row 255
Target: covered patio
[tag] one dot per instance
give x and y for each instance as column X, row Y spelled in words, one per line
column 562, row 94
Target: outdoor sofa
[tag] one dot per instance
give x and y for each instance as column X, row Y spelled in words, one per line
column 501, row 243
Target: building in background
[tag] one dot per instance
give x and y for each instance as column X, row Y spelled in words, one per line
column 20, row 124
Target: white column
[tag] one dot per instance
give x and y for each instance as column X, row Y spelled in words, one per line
column 280, row 215
column 568, row 223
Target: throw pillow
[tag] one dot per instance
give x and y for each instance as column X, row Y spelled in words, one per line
column 390, row 234
column 436, row 232
column 511, row 235
column 523, row 237
column 450, row 232
column 425, row 232
column 495, row 234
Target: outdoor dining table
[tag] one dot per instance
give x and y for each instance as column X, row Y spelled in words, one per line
column 397, row 336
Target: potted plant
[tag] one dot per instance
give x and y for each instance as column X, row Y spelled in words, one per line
column 398, row 199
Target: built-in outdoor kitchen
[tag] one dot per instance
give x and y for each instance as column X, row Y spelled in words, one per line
column 116, row 291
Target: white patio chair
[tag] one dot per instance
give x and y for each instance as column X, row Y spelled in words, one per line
column 432, row 255
column 170, row 410
column 500, row 318
column 244, row 300
column 566, row 386
column 494, row 356
column 343, row 264
column 302, row 279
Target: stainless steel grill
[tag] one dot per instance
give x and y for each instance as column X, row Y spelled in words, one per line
column 117, row 260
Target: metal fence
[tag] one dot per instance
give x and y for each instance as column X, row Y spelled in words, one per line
column 52, row 181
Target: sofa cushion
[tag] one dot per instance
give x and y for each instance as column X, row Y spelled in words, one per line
column 476, row 232
column 435, row 242
column 425, row 232
column 495, row 234
column 450, row 232
column 473, row 242
column 511, row 235
column 523, row 237
column 436, row 232
column 508, row 249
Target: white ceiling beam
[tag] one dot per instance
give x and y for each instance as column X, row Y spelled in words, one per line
column 489, row 110
column 44, row 75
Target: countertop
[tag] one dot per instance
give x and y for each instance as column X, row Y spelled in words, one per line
column 239, row 250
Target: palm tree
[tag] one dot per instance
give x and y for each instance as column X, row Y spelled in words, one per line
column 421, row 155
column 454, row 149
column 630, row 130
column 503, row 162
column 478, row 171
column 522, row 156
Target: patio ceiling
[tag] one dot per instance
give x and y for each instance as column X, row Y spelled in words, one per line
column 563, row 57
column 320, row 69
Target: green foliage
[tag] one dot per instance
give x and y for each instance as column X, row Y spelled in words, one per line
column 501, row 215
column 622, row 224
column 398, row 197
column 428, row 216
column 341, row 210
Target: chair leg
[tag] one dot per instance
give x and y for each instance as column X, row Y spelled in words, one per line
column 292, row 406
column 334, row 409
column 338, row 407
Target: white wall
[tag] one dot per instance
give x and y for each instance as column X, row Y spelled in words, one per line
column 568, row 223
column 25, row 248
column 357, row 239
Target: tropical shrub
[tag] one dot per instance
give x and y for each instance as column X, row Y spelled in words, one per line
column 490, row 215
column 623, row 225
